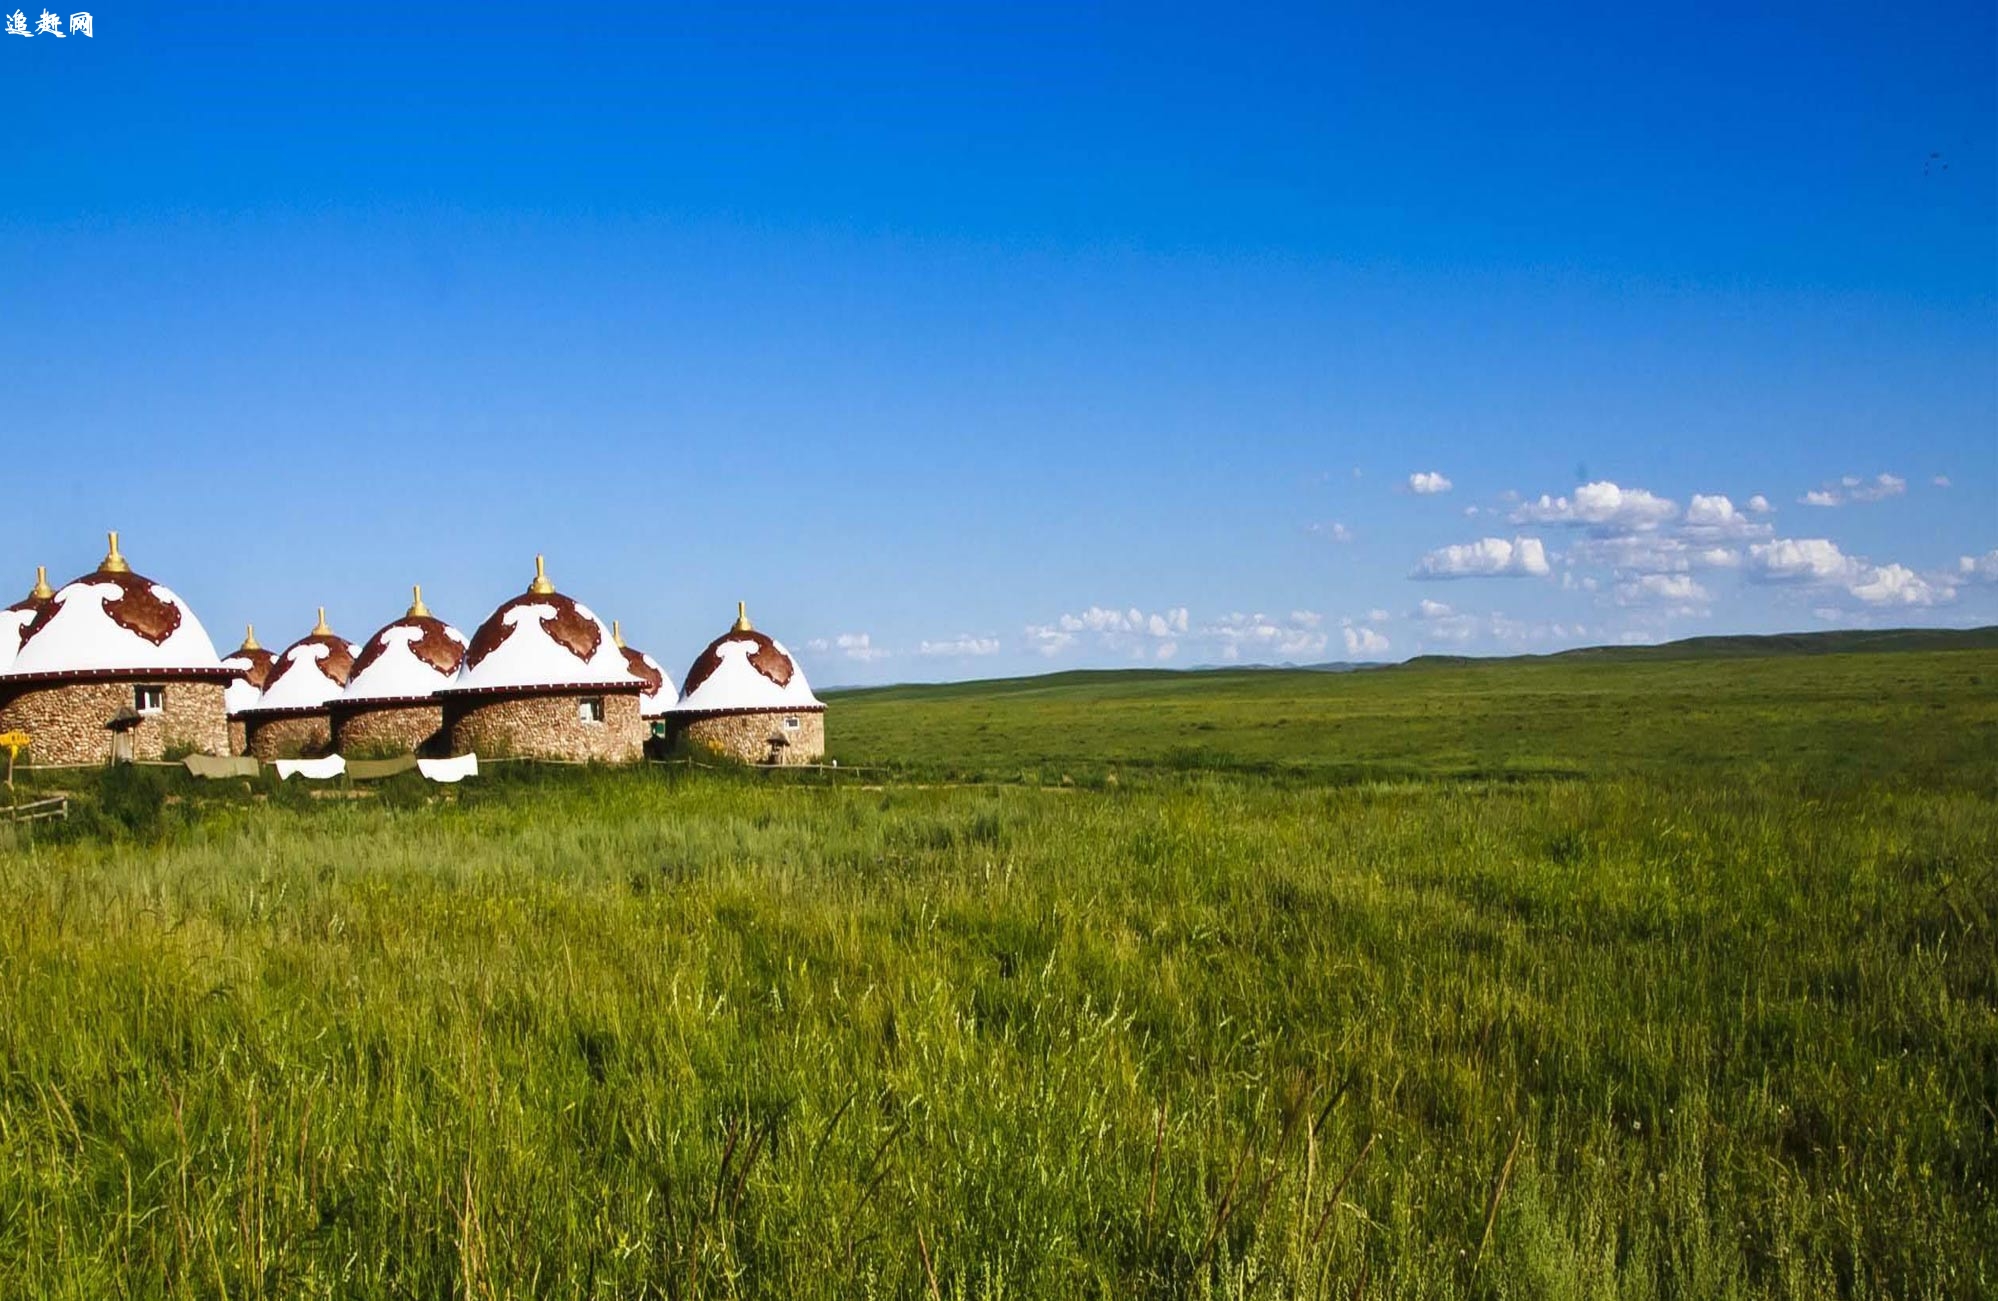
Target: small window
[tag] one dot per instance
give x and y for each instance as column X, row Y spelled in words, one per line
column 590, row 709
column 791, row 723
column 149, row 700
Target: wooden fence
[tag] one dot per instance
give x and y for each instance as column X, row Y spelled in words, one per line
column 52, row 809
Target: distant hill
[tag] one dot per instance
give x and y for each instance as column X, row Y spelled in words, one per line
column 1844, row 641
column 1744, row 646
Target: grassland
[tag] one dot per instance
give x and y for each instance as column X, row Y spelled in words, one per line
column 1550, row 979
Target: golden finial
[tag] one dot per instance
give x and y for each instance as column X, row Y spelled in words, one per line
column 617, row 635
column 42, row 590
column 541, row 586
column 742, row 616
column 417, row 610
column 320, row 629
column 113, row 562
column 250, row 637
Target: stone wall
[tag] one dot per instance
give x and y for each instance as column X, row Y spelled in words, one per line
column 384, row 731
column 239, row 737
column 545, row 727
column 747, row 738
column 65, row 721
column 289, row 736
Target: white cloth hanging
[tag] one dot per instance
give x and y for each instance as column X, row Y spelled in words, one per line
column 316, row 769
column 449, row 770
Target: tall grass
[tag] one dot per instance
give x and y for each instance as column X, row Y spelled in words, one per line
column 1194, row 1034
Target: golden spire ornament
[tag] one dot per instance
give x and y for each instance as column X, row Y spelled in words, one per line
column 113, row 562
column 42, row 590
column 417, row 609
column 541, row 586
column 742, row 617
column 320, row 629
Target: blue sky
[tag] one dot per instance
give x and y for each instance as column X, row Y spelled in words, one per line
column 971, row 341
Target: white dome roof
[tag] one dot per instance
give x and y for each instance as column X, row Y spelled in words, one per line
column 309, row 673
column 19, row 615
column 543, row 641
column 658, row 695
column 252, row 666
column 114, row 622
column 742, row 670
column 240, row 695
column 412, row 659
column 651, row 704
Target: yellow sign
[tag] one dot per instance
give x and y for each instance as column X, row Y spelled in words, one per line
column 13, row 743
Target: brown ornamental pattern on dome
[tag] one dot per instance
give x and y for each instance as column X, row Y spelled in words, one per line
column 569, row 628
column 766, row 659
column 436, row 647
column 136, row 608
column 635, row 662
column 337, row 664
column 260, row 660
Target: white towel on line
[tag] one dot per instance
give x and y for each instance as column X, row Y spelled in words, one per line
column 317, row 769
column 449, row 770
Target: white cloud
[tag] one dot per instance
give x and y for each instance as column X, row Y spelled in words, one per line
column 1164, row 635
column 1899, row 585
column 1365, row 643
column 1715, row 518
column 1333, row 531
column 1048, row 639
column 1132, row 631
column 1657, row 589
column 1979, row 569
column 1940, row 481
column 1853, row 488
column 1427, row 482
column 1486, row 558
column 1602, row 506
column 961, row 645
column 1819, row 562
column 1378, row 616
column 1882, row 487
column 1442, row 623
column 853, row 645
column 1805, row 560
column 1237, row 635
column 1760, row 504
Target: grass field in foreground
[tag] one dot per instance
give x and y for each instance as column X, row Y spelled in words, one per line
column 1451, row 982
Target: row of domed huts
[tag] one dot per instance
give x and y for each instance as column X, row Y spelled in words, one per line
column 114, row 665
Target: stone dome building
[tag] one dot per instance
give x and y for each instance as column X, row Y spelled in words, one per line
column 20, row 614
column 390, row 705
column 745, row 698
column 251, row 664
column 114, row 666
column 293, row 717
column 545, row 679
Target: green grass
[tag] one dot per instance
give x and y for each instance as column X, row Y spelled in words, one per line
column 1553, row 979
column 1924, row 716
